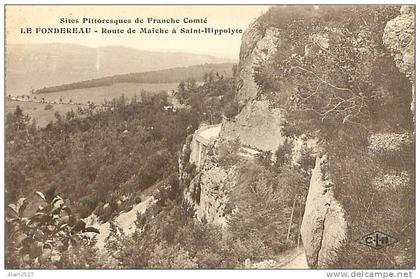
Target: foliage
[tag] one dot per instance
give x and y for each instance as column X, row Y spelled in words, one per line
column 48, row 107
column 339, row 83
column 388, row 207
column 210, row 101
column 40, row 239
column 337, row 60
column 335, row 80
column 264, row 201
column 171, row 257
column 227, row 152
column 284, row 152
column 131, row 144
column 170, row 239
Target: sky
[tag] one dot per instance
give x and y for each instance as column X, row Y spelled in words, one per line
column 235, row 17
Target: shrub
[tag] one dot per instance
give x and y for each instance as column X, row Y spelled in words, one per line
column 48, row 107
column 41, row 239
column 137, row 199
column 227, row 152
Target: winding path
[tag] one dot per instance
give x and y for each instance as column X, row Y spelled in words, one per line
column 298, row 262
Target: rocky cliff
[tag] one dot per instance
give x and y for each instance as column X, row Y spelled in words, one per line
column 258, row 44
column 207, row 193
column 260, row 126
column 257, row 126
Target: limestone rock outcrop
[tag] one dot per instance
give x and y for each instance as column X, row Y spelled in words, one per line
column 258, row 45
column 399, row 37
column 257, row 126
column 324, row 228
column 208, row 193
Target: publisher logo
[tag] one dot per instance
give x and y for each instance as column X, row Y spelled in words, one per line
column 378, row 240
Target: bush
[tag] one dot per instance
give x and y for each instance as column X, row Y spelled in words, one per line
column 42, row 239
column 264, row 201
column 227, row 152
column 48, row 107
column 137, row 199
column 231, row 110
column 375, row 195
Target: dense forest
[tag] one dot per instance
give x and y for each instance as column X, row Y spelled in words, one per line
column 110, row 157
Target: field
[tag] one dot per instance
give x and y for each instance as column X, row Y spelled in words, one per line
column 37, row 110
column 99, row 94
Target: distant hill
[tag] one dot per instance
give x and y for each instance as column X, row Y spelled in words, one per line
column 33, row 66
column 163, row 76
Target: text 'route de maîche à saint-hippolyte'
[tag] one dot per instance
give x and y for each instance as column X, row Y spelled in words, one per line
column 141, row 29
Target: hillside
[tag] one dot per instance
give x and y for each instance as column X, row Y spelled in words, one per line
column 302, row 158
column 34, row 66
column 172, row 75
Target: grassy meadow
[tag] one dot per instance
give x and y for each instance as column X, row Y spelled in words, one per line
column 37, row 111
column 82, row 96
column 99, row 94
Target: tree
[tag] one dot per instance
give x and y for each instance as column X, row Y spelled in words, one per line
column 332, row 64
column 70, row 115
column 264, row 203
column 284, row 152
column 18, row 112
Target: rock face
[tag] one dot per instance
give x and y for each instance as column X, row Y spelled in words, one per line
column 324, row 229
column 399, row 37
column 258, row 44
column 257, row 126
column 260, row 126
column 213, row 196
column 208, row 192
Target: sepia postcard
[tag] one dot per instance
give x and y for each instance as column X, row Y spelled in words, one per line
column 210, row 137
